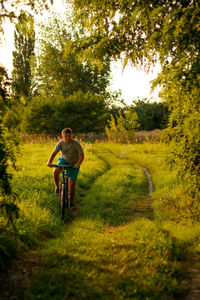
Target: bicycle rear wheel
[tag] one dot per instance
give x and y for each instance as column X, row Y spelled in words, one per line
column 62, row 195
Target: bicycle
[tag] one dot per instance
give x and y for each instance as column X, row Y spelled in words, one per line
column 64, row 194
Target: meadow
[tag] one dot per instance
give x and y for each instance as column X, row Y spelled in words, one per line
column 123, row 244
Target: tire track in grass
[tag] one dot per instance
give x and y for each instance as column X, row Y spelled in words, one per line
column 142, row 206
column 148, row 175
column 151, row 189
column 84, row 191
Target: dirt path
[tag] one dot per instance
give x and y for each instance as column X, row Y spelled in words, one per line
column 192, row 266
column 192, row 279
column 148, row 175
column 151, row 189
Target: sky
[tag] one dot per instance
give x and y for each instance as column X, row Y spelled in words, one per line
column 132, row 82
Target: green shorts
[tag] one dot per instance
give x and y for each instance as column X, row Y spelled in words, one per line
column 71, row 172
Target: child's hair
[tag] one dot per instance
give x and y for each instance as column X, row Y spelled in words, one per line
column 66, row 130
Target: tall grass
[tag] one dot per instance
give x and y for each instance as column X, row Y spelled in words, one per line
column 139, row 137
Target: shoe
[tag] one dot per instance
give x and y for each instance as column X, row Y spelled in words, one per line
column 57, row 191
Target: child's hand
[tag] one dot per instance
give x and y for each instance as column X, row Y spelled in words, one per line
column 77, row 165
column 49, row 164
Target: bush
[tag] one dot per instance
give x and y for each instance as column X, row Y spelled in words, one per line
column 123, row 128
column 8, row 208
column 13, row 117
column 151, row 115
column 83, row 112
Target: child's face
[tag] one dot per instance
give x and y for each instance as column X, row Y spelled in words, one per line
column 67, row 137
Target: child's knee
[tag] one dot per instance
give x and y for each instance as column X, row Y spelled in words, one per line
column 56, row 171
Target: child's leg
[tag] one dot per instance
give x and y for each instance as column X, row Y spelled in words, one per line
column 56, row 173
column 72, row 186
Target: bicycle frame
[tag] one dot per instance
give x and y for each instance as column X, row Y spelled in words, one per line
column 64, row 188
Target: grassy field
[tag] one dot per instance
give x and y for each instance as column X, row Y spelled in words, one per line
column 123, row 244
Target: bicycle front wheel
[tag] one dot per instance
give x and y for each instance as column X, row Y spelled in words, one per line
column 62, row 195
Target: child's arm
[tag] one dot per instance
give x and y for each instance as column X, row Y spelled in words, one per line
column 51, row 158
column 81, row 158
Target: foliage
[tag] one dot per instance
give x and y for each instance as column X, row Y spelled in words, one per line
column 124, row 128
column 151, row 115
column 9, row 211
column 7, row 148
column 13, row 10
column 4, row 184
column 8, row 208
column 57, row 68
column 13, row 116
column 184, row 134
column 83, row 112
column 24, row 40
column 4, row 87
column 146, row 32
column 57, row 74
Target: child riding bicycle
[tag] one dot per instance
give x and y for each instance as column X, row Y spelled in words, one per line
column 72, row 154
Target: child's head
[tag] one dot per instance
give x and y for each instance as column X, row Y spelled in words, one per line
column 67, row 134
column 67, row 130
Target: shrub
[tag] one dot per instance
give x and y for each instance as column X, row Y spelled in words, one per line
column 123, row 128
column 83, row 112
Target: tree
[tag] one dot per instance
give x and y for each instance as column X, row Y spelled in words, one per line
column 8, row 207
column 7, row 148
column 58, row 69
column 4, row 87
column 151, row 115
column 145, row 32
column 7, row 153
column 24, row 39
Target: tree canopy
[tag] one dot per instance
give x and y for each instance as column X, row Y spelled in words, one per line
column 24, row 40
column 14, row 9
column 140, row 30
column 58, row 69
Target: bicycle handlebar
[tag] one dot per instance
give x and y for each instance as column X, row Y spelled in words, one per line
column 64, row 166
